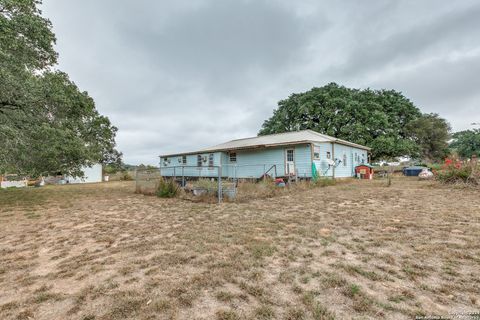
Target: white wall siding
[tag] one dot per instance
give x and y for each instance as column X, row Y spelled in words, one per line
column 91, row 175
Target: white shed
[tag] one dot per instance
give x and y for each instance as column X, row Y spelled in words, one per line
column 91, row 175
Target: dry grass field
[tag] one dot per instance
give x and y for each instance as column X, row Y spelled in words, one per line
column 355, row 250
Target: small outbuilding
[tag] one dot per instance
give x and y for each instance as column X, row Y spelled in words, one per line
column 364, row 171
column 91, row 175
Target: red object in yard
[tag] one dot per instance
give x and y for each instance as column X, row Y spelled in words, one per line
column 364, row 171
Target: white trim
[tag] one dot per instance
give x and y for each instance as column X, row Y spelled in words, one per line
column 288, row 170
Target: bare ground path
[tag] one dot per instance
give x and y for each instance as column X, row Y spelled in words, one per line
column 355, row 250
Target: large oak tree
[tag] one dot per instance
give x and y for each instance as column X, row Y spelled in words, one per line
column 431, row 134
column 379, row 119
column 47, row 124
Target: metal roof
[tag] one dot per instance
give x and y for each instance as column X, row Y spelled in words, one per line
column 272, row 140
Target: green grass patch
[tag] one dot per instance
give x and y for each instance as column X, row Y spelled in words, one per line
column 261, row 250
column 351, row 290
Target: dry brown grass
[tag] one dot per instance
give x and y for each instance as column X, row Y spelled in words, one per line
column 357, row 249
column 150, row 183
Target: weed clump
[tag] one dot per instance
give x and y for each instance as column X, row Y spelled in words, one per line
column 257, row 190
column 125, row 176
column 167, row 189
column 455, row 172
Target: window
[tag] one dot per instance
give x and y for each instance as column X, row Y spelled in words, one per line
column 210, row 160
column 199, row 160
column 165, row 162
column 344, row 159
column 316, row 152
column 233, row 157
column 329, row 155
column 363, row 157
column 184, row 159
column 290, row 155
column 356, row 158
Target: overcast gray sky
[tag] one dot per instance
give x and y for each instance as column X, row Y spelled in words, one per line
column 181, row 75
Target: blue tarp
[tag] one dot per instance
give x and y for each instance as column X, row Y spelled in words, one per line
column 412, row 171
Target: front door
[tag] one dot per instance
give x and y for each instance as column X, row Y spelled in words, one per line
column 289, row 162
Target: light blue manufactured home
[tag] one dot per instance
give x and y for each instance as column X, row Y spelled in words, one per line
column 276, row 155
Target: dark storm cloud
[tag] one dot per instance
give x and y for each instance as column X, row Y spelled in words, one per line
column 181, row 75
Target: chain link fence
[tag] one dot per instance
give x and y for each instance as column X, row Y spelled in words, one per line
column 147, row 180
column 214, row 181
column 197, row 180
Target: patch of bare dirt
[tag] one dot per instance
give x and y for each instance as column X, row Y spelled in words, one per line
column 358, row 249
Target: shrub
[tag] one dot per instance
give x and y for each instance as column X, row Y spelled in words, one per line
column 457, row 172
column 210, row 185
column 167, row 188
column 125, row 176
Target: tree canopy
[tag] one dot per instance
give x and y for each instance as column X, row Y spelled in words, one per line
column 431, row 134
column 466, row 143
column 47, row 125
column 375, row 118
